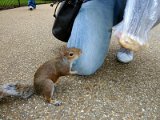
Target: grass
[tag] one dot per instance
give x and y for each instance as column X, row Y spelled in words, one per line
column 15, row 3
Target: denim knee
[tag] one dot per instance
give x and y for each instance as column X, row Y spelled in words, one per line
column 85, row 68
column 88, row 64
column 87, row 71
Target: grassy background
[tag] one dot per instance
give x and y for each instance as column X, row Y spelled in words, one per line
column 15, row 3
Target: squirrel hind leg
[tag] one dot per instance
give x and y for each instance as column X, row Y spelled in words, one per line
column 49, row 97
column 48, row 90
column 55, row 102
column 51, row 101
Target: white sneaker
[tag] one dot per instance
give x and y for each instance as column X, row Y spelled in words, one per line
column 125, row 55
column 30, row 8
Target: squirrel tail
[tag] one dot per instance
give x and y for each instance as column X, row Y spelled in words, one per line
column 18, row 90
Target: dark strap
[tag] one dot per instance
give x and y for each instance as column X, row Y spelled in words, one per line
column 56, row 9
column 69, row 2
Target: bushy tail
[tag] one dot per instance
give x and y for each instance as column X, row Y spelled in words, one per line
column 18, row 90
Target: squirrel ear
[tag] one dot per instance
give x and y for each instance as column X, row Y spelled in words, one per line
column 63, row 50
column 64, row 47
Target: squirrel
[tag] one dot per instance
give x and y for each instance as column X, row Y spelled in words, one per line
column 45, row 77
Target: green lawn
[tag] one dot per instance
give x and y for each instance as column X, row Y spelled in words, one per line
column 14, row 3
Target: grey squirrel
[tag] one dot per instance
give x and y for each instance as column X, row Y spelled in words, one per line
column 45, row 77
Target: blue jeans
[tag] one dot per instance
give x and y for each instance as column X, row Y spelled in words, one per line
column 92, row 31
column 32, row 3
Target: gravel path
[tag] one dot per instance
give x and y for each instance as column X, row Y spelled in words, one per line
column 115, row 92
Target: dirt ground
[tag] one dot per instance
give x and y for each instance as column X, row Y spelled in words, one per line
column 115, row 92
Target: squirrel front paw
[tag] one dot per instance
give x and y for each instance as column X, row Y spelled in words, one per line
column 73, row 72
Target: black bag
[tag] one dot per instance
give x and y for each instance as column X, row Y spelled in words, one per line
column 64, row 19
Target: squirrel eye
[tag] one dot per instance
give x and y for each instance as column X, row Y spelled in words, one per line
column 71, row 54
